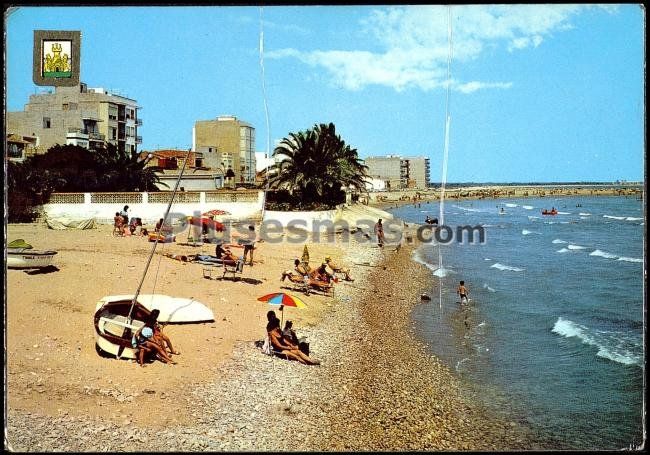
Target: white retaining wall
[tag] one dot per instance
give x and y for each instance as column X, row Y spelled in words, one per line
column 152, row 206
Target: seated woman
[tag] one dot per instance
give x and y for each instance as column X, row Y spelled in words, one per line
column 284, row 346
column 143, row 342
column 158, row 336
column 338, row 269
column 289, row 334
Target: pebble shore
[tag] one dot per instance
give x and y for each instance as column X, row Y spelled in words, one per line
column 377, row 388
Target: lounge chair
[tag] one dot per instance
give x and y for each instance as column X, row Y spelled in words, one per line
column 307, row 284
column 233, row 267
column 268, row 349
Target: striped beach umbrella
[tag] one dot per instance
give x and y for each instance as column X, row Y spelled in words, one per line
column 282, row 299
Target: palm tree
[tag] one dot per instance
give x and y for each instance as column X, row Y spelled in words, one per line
column 315, row 165
column 123, row 171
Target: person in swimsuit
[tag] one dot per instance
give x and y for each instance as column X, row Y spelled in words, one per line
column 462, row 292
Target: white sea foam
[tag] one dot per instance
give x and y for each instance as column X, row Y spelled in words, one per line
column 559, row 241
column 487, row 259
column 530, row 217
column 563, row 250
column 527, row 207
column 496, row 265
column 485, row 286
column 584, row 214
column 632, row 218
column 603, row 254
column 467, row 209
column 510, row 205
column 527, row 232
column 614, row 217
column 584, row 217
column 611, row 345
column 626, row 259
column 564, row 213
column 576, row 247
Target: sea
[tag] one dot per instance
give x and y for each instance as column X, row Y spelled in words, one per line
column 553, row 334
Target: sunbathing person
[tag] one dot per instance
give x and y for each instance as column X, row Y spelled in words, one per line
column 321, row 274
column 284, row 346
column 158, row 336
column 143, row 342
column 338, row 269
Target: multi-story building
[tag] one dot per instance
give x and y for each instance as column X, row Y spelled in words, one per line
column 418, row 171
column 399, row 172
column 78, row 115
column 227, row 143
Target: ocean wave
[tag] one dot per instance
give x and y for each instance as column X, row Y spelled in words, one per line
column 527, row 207
column 584, row 217
column 511, row 205
column 527, row 232
column 506, row 267
column 531, row 217
column 615, row 346
column 632, row 218
column 564, row 213
column 576, row 247
column 626, row 259
column 559, row 241
column 584, row 214
column 603, row 254
column 614, row 217
column 563, row 250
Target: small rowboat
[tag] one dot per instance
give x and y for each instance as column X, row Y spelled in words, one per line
column 21, row 255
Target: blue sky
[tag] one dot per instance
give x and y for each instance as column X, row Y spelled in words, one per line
column 537, row 92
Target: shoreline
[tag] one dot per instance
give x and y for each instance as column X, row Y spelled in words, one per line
column 370, row 385
column 394, row 199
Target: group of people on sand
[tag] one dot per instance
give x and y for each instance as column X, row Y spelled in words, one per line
column 150, row 339
column 124, row 226
column 285, row 343
column 319, row 275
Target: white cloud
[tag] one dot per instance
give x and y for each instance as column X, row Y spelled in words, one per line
column 415, row 43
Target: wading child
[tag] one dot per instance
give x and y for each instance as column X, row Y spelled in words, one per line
column 462, row 291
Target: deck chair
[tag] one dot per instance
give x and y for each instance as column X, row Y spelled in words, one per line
column 233, row 267
column 268, row 349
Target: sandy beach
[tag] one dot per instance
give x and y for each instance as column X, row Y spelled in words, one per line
column 376, row 388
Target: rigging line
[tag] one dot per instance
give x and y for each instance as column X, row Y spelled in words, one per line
column 446, row 149
column 153, row 249
column 266, row 111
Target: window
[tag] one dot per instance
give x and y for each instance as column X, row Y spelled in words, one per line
column 66, row 106
column 47, row 122
column 14, row 151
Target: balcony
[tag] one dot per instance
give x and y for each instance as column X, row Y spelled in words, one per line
column 138, row 139
column 96, row 137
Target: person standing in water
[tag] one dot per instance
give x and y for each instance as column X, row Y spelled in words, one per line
column 462, row 292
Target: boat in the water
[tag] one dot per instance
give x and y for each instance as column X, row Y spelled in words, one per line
column 116, row 322
column 119, row 317
column 549, row 212
column 21, row 255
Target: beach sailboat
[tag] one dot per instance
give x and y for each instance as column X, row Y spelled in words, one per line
column 118, row 317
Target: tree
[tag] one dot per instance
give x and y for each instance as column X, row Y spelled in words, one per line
column 315, row 165
column 123, row 171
